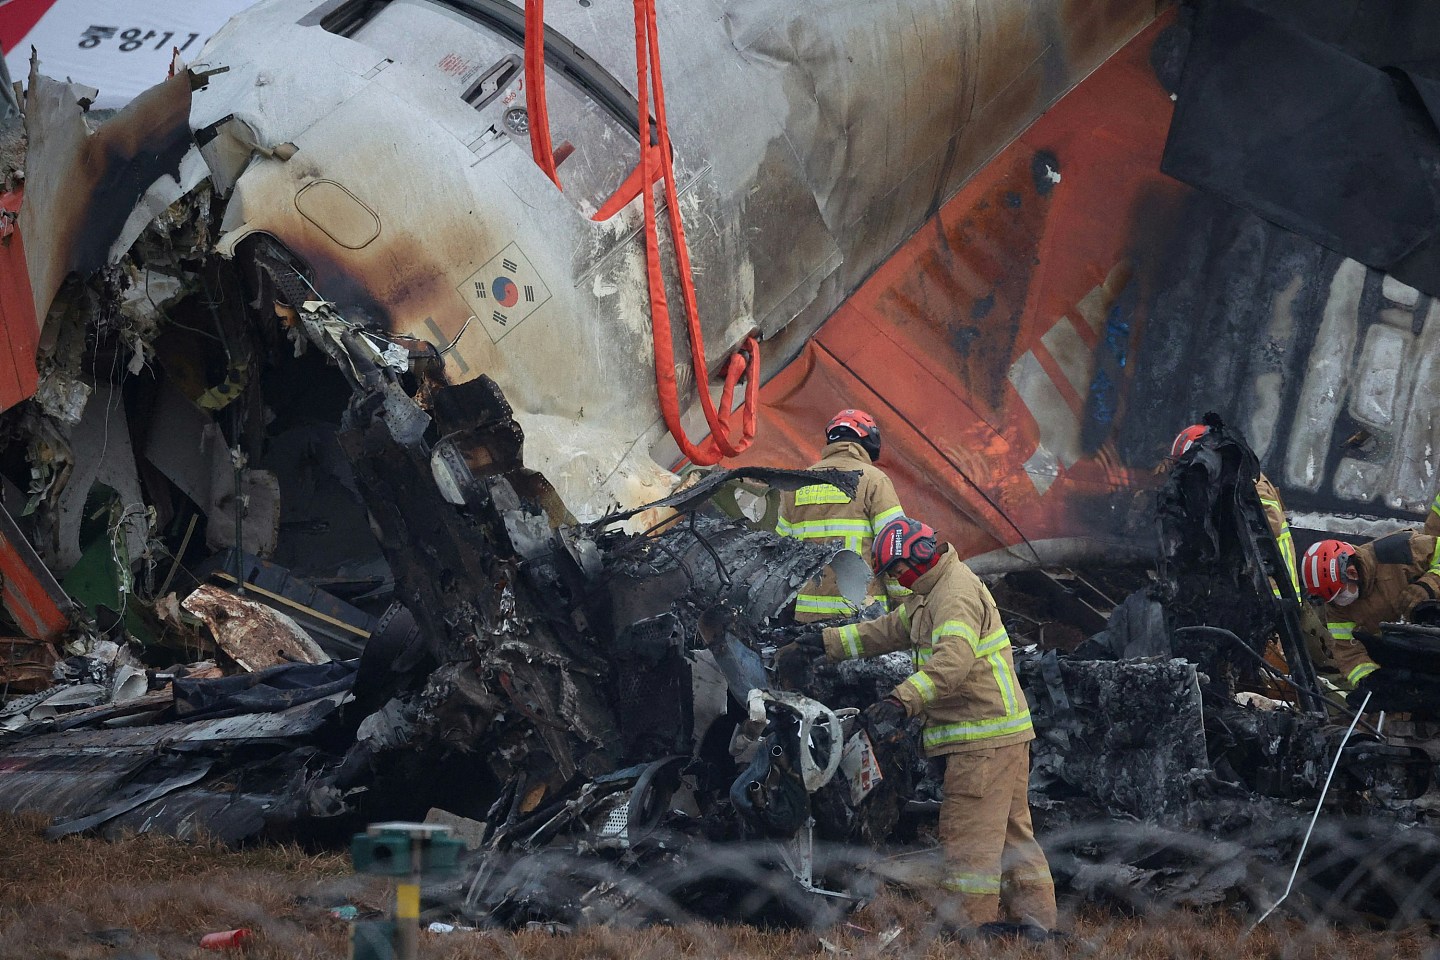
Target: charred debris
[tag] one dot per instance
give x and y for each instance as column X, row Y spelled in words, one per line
column 270, row 575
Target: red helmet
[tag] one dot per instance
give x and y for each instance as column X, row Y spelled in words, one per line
column 855, row 425
column 903, row 540
column 1186, row 439
column 1324, row 567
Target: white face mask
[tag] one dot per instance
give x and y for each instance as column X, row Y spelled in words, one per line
column 1348, row 595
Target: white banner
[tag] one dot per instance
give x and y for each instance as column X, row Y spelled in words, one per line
column 120, row 47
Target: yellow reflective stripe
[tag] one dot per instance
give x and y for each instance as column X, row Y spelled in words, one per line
column 923, row 685
column 818, row 493
column 830, row 528
column 883, row 517
column 1287, row 553
column 1005, row 680
column 904, row 614
column 1435, row 507
column 1031, row 876
column 1435, row 558
column 783, row 527
column 921, row 655
column 943, row 734
column 954, row 628
column 980, row 884
column 819, row 603
column 993, row 643
column 1286, row 542
column 850, row 640
column 812, row 603
column 853, row 532
column 1341, row 631
column 1361, row 672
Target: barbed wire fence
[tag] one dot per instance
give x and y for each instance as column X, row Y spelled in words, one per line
column 1121, row 886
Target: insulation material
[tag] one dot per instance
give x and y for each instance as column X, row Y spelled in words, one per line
column 253, row 635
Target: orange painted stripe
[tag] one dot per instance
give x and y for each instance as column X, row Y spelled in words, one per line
column 1062, row 382
column 1087, row 333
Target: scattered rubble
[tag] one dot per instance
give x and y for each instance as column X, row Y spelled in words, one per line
column 271, row 574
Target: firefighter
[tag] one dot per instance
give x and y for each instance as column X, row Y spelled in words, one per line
column 975, row 716
column 1365, row 586
column 826, row 513
column 1269, row 500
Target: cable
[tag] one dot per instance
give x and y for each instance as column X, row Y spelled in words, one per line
column 1313, row 819
column 1222, row 632
column 744, row 364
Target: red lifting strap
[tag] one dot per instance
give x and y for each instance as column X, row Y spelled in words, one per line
column 540, row 146
column 656, row 162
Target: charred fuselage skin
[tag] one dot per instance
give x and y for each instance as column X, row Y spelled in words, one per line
column 807, row 146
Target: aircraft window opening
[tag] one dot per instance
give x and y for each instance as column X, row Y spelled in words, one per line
column 563, row 58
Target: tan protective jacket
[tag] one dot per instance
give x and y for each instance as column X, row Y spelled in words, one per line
column 964, row 681
column 1280, row 527
column 1386, row 568
column 823, row 512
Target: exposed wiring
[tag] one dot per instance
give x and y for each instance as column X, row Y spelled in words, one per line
column 1270, row 668
column 388, row 337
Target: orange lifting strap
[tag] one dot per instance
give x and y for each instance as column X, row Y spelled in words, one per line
column 656, row 163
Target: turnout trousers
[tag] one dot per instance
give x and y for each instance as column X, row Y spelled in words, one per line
column 994, row 868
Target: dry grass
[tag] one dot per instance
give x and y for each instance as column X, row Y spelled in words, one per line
column 82, row 898
column 85, row 899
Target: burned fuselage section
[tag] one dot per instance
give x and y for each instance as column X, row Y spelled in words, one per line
column 249, row 447
column 1199, row 714
column 521, row 659
column 308, row 579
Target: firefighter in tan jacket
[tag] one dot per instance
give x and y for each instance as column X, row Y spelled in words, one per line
column 1365, row 586
column 976, row 716
column 825, row 513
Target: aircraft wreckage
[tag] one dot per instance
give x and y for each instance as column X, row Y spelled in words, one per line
column 316, row 511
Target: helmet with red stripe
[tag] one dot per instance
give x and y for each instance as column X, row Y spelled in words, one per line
column 1186, row 439
column 855, row 425
column 1326, row 568
column 904, row 548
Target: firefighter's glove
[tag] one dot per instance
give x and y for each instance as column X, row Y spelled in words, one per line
column 794, row 661
column 1426, row 613
column 889, row 711
column 1411, row 597
column 1372, row 683
column 808, row 637
column 886, row 719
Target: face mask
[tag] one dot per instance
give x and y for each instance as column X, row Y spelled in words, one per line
column 1347, row 595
